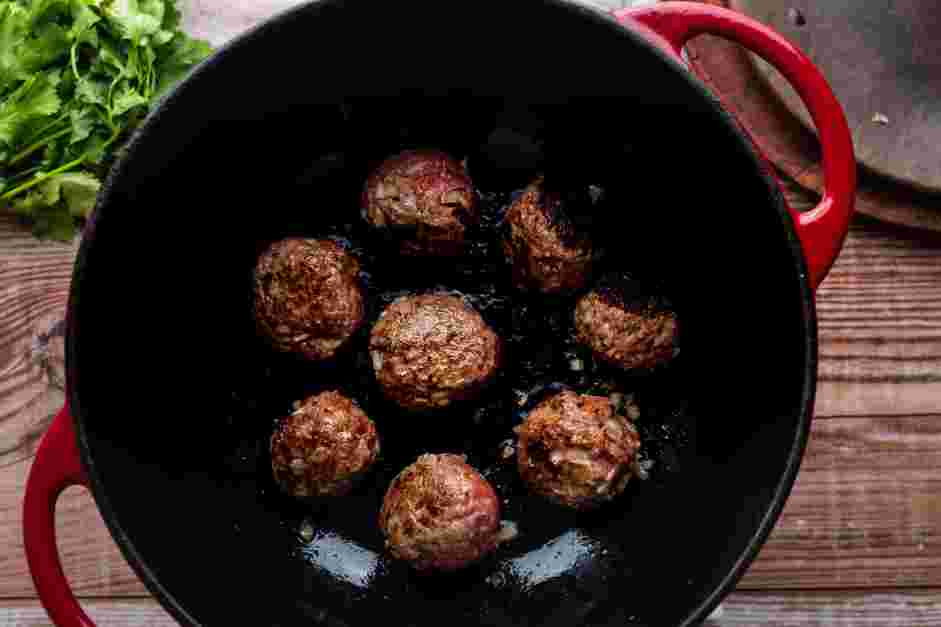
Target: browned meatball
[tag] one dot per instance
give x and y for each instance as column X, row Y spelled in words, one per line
column 308, row 298
column 439, row 513
column 541, row 243
column 427, row 196
column 576, row 450
column 428, row 351
column 627, row 326
column 323, row 447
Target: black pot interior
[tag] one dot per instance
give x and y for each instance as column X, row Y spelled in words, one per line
column 176, row 397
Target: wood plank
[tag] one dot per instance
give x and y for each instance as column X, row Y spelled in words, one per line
column 116, row 612
column 847, row 399
column 782, row 609
column 866, row 511
column 91, row 560
column 841, row 609
column 879, row 320
column 34, row 284
column 218, row 21
column 879, row 316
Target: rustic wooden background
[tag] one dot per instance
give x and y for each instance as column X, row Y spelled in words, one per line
column 858, row 543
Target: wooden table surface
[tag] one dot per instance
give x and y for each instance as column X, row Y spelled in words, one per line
column 857, row 544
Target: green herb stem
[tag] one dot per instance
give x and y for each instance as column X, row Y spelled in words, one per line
column 63, row 168
column 24, row 173
column 58, row 120
column 39, row 179
column 37, row 145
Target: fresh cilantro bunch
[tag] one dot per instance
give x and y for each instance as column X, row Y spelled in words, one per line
column 76, row 76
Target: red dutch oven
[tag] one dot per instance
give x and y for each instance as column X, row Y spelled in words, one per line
column 171, row 399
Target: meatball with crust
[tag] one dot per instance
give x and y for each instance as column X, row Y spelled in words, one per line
column 431, row 350
column 440, row 514
column 576, row 450
column 628, row 326
column 308, row 298
column 323, row 447
column 541, row 243
column 426, row 198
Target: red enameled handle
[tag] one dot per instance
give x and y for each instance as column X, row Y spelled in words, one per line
column 823, row 229
column 56, row 467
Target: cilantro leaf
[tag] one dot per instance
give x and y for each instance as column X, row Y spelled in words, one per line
column 83, row 18
column 26, row 47
column 78, row 191
column 50, row 222
column 34, row 98
column 83, row 122
column 76, row 78
column 125, row 99
column 177, row 58
column 14, row 22
column 54, row 203
column 137, row 19
column 47, row 43
column 90, row 91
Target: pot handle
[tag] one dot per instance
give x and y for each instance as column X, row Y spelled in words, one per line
column 823, row 229
column 56, row 467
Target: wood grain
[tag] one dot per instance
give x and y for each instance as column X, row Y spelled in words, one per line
column 866, row 511
column 782, row 609
column 840, row 609
column 111, row 612
column 879, row 320
column 34, row 284
column 90, row 558
column 218, row 21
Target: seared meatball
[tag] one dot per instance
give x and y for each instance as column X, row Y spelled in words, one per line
column 439, row 513
column 308, row 298
column 576, row 450
column 547, row 254
column 430, row 350
column 323, row 447
column 628, row 326
column 426, row 196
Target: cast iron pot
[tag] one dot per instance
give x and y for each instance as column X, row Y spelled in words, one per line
column 166, row 418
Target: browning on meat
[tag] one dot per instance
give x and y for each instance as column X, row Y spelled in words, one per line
column 308, row 298
column 428, row 351
column 541, row 243
column 424, row 197
column 576, row 450
column 439, row 513
column 627, row 326
column 323, row 447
